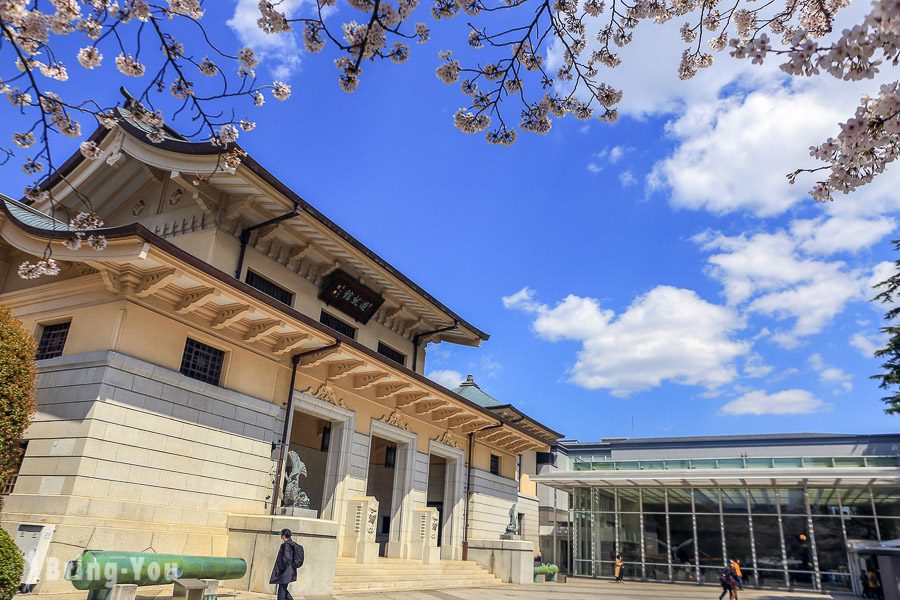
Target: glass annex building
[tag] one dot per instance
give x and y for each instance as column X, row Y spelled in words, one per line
column 793, row 509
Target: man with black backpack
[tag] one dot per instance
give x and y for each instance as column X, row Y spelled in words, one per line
column 289, row 559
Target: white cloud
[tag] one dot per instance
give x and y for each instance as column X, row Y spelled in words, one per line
column 768, row 274
column 627, row 178
column 448, row 378
column 831, row 375
column 842, row 233
column 616, row 153
column 594, row 168
column 787, row 402
column 667, row 335
column 763, row 134
column 867, row 344
column 279, row 52
column 756, row 366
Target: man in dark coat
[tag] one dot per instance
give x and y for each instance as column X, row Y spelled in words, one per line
column 284, row 572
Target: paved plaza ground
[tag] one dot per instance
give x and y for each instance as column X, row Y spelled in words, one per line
column 589, row 590
column 573, row 590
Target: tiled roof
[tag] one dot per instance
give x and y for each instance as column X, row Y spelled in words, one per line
column 469, row 390
column 32, row 217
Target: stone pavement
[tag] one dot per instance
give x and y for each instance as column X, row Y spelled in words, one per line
column 575, row 589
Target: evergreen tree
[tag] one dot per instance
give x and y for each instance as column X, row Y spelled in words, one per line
column 890, row 377
column 17, row 376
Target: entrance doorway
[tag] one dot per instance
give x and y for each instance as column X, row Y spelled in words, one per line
column 445, row 493
column 311, row 441
column 380, row 485
column 437, row 490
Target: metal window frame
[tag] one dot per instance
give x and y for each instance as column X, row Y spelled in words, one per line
column 196, row 374
column 47, row 330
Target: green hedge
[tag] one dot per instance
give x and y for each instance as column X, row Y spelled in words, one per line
column 548, row 570
column 11, row 566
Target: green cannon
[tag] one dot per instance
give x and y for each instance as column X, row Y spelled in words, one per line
column 98, row 571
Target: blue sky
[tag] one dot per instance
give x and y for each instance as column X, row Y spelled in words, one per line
column 654, row 277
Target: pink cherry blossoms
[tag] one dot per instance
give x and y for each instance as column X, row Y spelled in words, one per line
column 521, row 65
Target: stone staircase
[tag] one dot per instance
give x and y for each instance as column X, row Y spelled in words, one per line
column 394, row 574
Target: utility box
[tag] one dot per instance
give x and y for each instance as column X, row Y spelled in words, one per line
column 33, row 541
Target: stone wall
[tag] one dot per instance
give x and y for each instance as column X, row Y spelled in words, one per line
column 125, row 455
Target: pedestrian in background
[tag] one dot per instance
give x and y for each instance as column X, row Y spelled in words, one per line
column 289, row 559
column 738, row 576
column 620, row 568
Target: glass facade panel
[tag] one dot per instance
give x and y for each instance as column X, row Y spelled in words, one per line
column 835, row 582
column 802, row 580
column 675, row 465
column 860, row 528
column 654, row 500
column 629, row 500
column 767, row 538
column 734, row 501
column 657, row 572
column 703, row 463
column 759, row 463
column 849, row 461
column 699, row 543
column 856, row 501
column 770, row 579
column 605, row 536
column 824, row 501
column 581, row 537
column 737, row 542
column 681, row 528
column 762, row 501
column 653, row 465
column 792, row 501
column 679, row 500
column 881, row 461
column 582, row 499
column 818, row 461
column 830, row 546
column 706, row 500
column 887, row 502
column 630, row 537
column 709, row 540
column 604, row 500
column 655, row 542
column 796, row 544
column 731, row 463
column 627, row 465
column 788, row 463
column 889, row 528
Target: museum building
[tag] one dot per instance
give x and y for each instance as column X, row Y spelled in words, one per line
column 233, row 362
column 799, row 511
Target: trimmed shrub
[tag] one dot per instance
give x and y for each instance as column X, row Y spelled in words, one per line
column 11, row 566
column 17, row 403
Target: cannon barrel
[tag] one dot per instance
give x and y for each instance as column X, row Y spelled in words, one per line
column 96, row 569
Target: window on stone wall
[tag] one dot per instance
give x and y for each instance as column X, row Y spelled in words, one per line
column 10, row 483
column 388, row 352
column 53, row 339
column 329, row 320
column 270, row 288
column 495, row 464
column 202, row 362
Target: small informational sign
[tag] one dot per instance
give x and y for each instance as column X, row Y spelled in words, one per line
column 349, row 296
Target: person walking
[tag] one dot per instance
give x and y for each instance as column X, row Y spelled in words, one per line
column 738, row 576
column 289, row 559
column 729, row 585
column 620, row 568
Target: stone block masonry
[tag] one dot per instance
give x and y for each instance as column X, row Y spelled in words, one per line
column 126, row 455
